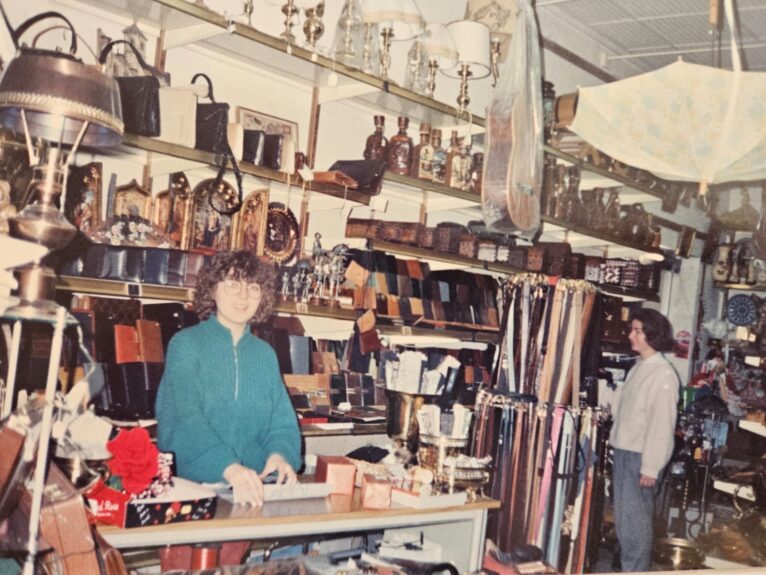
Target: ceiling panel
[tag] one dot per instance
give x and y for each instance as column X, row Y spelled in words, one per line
column 650, row 34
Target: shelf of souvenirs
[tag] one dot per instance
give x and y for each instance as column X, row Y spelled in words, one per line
column 740, row 286
column 183, row 22
column 385, row 325
column 193, row 155
column 501, row 268
column 642, row 192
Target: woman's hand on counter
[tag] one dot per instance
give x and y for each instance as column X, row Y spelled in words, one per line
column 285, row 472
column 246, row 484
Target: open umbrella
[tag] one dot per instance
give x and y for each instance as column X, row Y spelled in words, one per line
column 682, row 122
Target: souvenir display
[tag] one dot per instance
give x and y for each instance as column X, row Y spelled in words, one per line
column 376, row 147
column 400, row 148
column 423, row 154
column 741, row 310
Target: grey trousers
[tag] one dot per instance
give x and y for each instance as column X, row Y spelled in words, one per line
column 633, row 511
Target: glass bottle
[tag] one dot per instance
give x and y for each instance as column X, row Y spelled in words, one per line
column 440, row 157
column 377, row 143
column 400, row 149
column 477, row 173
column 463, row 172
column 453, row 161
column 423, row 154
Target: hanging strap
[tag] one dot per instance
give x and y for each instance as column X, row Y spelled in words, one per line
column 29, row 22
column 217, row 200
column 108, row 48
column 209, row 85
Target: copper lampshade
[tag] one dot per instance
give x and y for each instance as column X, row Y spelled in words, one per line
column 52, row 87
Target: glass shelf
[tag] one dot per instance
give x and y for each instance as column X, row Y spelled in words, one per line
column 738, row 286
column 190, row 154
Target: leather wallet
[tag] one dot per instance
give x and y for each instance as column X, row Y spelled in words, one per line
column 272, row 151
column 336, row 178
column 149, row 334
column 156, row 266
column 176, row 268
column 252, row 148
column 95, row 264
column 405, row 308
column 134, row 264
column 126, row 344
column 116, row 263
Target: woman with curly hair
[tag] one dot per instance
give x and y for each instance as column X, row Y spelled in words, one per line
column 222, row 406
column 642, row 436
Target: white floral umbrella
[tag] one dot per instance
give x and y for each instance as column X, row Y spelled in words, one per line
column 682, row 122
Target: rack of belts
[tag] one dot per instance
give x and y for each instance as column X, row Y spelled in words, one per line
column 548, row 454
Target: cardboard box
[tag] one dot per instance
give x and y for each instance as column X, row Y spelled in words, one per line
column 338, row 471
column 376, row 492
column 186, row 501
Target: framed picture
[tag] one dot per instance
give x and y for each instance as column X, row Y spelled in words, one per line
column 251, row 222
column 132, row 200
column 207, row 229
column 170, row 209
column 83, row 201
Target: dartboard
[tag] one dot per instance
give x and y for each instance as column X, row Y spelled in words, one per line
column 741, row 310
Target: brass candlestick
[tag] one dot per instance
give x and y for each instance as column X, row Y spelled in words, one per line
column 463, row 100
column 385, row 55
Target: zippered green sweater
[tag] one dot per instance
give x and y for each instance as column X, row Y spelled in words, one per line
column 220, row 404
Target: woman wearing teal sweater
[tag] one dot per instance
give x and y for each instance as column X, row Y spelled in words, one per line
column 222, row 406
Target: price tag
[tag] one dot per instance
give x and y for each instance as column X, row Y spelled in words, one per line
column 302, row 307
column 406, row 330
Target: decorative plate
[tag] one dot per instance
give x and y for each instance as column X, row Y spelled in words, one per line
column 282, row 232
column 741, row 310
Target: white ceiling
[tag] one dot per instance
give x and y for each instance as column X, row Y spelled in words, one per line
column 642, row 35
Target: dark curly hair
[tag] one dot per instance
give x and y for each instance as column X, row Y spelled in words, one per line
column 241, row 265
column 656, row 327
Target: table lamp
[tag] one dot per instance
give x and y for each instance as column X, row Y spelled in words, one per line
column 396, row 19
column 440, row 51
column 474, row 60
column 55, row 97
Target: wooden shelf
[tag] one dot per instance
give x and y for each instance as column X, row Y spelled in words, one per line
column 494, row 267
column 433, row 255
column 184, row 153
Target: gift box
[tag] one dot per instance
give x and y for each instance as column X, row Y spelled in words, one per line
column 338, row 471
column 376, row 492
column 186, row 501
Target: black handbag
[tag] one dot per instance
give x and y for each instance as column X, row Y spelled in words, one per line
column 212, row 122
column 367, row 173
column 139, row 95
column 222, row 196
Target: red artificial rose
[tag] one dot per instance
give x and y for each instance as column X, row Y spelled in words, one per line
column 134, row 459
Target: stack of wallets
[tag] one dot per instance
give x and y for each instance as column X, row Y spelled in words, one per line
column 138, row 264
column 407, row 290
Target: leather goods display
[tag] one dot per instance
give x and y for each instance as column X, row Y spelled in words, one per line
column 368, row 174
column 211, row 122
column 94, row 261
column 222, row 196
column 149, row 336
column 139, row 95
column 126, row 344
column 172, row 318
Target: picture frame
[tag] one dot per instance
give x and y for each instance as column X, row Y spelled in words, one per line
column 83, row 202
column 207, row 230
column 251, row 222
column 131, row 200
column 170, row 209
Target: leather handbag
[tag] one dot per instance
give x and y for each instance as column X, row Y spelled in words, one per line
column 139, row 95
column 212, row 122
column 368, row 174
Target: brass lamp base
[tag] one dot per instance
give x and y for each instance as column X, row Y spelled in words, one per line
column 37, row 290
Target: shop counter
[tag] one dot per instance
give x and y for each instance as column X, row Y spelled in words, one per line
column 460, row 530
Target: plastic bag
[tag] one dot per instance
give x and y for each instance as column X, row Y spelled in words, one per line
column 513, row 160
